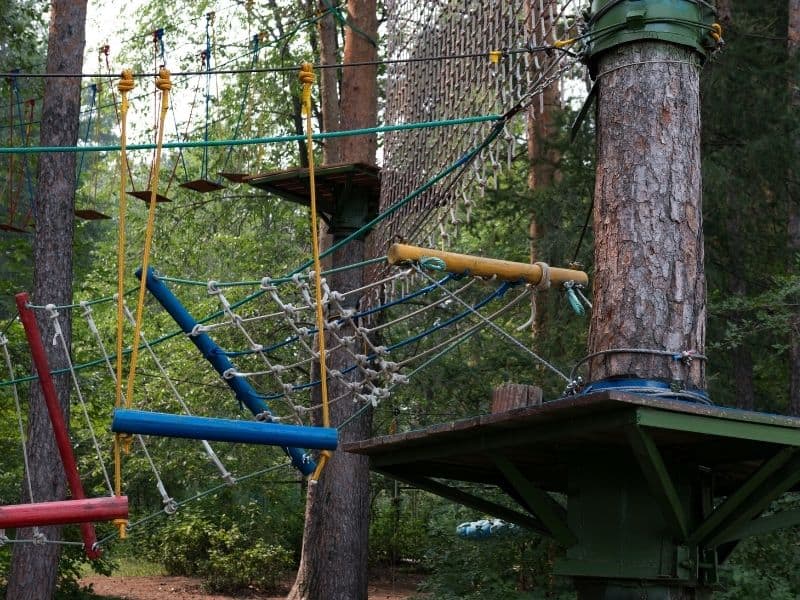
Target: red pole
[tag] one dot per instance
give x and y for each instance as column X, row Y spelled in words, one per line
column 64, row 512
column 60, row 431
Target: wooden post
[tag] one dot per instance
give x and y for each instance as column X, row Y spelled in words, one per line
column 515, row 395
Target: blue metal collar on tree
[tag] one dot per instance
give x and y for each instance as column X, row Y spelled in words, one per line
column 685, row 22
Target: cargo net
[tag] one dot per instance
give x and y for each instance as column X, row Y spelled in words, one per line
column 457, row 59
column 385, row 333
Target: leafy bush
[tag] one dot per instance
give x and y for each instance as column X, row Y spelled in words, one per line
column 229, row 553
column 517, row 566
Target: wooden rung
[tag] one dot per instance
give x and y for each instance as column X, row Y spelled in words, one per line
column 202, row 186
column 235, row 177
column 223, row 430
column 64, row 512
column 145, row 195
column 90, row 215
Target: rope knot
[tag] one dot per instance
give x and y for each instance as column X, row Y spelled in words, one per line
column 307, row 79
column 163, row 81
column 126, row 82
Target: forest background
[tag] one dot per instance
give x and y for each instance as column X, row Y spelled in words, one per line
column 248, row 536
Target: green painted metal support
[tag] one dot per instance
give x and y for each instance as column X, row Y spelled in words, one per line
column 781, row 481
column 780, row 520
column 763, row 430
column 540, row 503
column 736, row 500
column 659, row 481
column 683, row 22
column 470, row 500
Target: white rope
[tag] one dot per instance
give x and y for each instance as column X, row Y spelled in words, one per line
column 165, row 497
column 212, row 455
column 23, row 438
column 499, row 330
column 59, row 335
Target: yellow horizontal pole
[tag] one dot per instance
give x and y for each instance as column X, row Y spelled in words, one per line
column 485, row 267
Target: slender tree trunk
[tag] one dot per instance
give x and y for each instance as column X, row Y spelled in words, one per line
column 793, row 187
column 540, row 127
column 329, row 82
column 649, row 285
column 333, row 565
column 34, row 568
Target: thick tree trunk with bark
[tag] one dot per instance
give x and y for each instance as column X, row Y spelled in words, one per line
column 333, row 565
column 649, row 284
column 34, row 567
column 793, row 186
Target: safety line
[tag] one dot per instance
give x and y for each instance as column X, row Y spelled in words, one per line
column 253, row 141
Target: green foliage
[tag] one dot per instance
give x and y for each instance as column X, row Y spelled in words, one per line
column 246, row 548
column 515, row 566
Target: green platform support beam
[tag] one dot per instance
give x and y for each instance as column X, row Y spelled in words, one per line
column 780, row 520
column 540, row 503
column 659, row 481
column 736, row 500
column 469, row 500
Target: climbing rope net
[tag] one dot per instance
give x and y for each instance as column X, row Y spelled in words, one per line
column 405, row 317
column 521, row 65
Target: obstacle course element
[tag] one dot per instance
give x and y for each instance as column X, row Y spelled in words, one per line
column 222, row 430
column 486, row 267
column 64, row 512
column 79, row 505
column 347, row 194
column 667, row 462
column 204, row 185
column 243, row 391
column 485, row 528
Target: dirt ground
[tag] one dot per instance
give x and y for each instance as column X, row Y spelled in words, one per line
column 186, row 588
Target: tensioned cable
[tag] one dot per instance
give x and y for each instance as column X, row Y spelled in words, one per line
column 343, row 65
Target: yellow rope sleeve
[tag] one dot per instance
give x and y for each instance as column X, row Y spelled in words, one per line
column 125, row 85
column 307, row 79
column 164, row 84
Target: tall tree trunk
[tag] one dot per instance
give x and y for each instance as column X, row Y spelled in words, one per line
column 649, row 285
column 793, row 186
column 540, row 128
column 329, row 82
column 34, row 567
column 333, row 565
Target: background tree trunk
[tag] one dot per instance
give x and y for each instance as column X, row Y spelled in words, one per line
column 793, row 187
column 540, row 116
column 333, row 564
column 649, row 285
column 34, row 568
column 329, row 82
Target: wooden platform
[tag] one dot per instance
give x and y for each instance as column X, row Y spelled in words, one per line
column 541, row 440
column 332, row 181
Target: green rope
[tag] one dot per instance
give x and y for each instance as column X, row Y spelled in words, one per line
column 432, row 263
column 461, row 162
column 253, row 141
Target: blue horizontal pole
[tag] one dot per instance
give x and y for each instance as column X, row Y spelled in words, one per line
column 216, row 356
column 222, row 430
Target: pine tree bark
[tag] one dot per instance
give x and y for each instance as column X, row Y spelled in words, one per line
column 34, row 567
column 333, row 564
column 329, row 82
column 793, row 187
column 540, row 128
column 649, row 285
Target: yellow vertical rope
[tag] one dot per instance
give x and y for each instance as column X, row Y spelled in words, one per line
column 307, row 79
column 164, row 84
column 125, row 85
